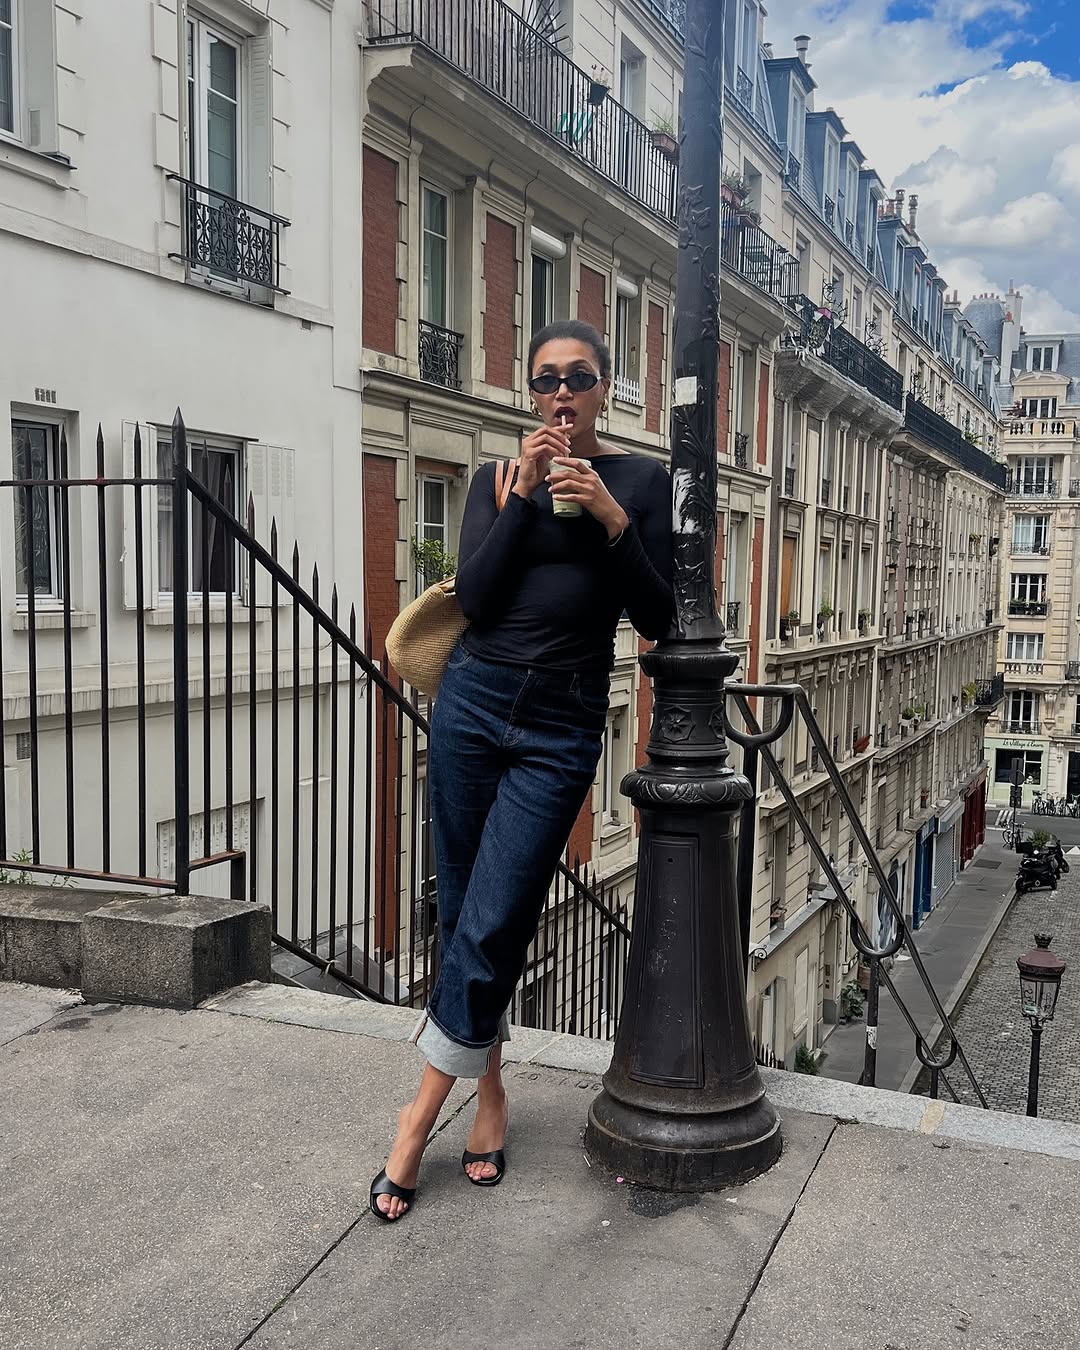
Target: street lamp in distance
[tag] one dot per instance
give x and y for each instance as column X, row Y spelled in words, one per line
column 1040, row 983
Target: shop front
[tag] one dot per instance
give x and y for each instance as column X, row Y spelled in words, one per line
column 973, row 824
column 947, row 849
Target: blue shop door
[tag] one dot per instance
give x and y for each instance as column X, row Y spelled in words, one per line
column 920, row 900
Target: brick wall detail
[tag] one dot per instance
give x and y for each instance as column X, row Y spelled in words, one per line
column 380, row 208
column 500, row 289
column 592, row 299
column 723, row 398
column 655, row 346
column 763, row 414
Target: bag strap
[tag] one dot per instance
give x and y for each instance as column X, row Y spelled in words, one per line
column 505, row 478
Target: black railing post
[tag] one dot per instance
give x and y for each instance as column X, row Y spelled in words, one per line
column 873, row 1000
column 1033, row 1070
column 181, row 748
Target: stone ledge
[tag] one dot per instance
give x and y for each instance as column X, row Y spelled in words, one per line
column 169, row 950
column 173, row 951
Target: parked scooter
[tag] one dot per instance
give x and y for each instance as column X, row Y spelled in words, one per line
column 1041, row 865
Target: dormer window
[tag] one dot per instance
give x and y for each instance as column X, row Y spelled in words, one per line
column 832, row 166
column 1042, row 358
column 796, row 122
column 748, row 38
column 851, row 192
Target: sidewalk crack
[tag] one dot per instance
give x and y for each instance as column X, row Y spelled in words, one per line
column 776, row 1241
column 284, row 1300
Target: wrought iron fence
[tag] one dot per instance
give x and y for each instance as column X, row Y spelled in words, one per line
column 742, row 449
column 440, row 355
column 495, row 47
column 193, row 684
column 230, row 240
column 845, row 353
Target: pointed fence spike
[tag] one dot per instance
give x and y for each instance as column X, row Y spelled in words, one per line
column 296, row 561
column 352, row 622
column 273, row 539
column 100, row 452
column 334, row 603
column 138, row 451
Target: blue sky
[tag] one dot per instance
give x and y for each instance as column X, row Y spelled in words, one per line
column 976, row 107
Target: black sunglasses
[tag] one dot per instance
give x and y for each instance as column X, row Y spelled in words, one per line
column 577, row 382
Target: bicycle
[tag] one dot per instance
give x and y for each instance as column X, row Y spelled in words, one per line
column 1038, row 806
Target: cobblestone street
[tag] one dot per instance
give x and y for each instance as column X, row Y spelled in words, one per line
column 989, row 1024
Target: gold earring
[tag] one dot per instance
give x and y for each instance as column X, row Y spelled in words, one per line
column 534, row 409
column 603, row 406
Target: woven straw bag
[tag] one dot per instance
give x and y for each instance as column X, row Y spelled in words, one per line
column 426, row 631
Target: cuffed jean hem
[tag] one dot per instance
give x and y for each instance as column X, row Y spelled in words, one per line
column 442, row 1052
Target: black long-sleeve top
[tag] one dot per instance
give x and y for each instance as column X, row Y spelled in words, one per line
column 548, row 591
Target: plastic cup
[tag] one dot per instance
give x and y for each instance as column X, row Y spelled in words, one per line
column 564, row 508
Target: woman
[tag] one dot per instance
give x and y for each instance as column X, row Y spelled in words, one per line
column 518, row 724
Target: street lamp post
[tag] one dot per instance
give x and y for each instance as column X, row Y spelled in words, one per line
column 683, row 1106
column 1040, row 982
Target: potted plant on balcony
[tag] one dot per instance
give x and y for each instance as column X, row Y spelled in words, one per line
column 663, row 137
column 824, row 614
column 865, row 616
column 789, row 625
column 968, row 693
column 735, row 191
column 599, row 85
column 432, row 561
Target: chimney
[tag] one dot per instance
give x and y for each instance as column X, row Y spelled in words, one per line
column 802, row 47
column 1010, row 330
column 913, row 208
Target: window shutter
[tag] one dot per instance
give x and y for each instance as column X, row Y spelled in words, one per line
column 270, row 483
column 148, row 509
column 261, row 166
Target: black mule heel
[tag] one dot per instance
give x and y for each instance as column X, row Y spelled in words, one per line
column 382, row 1185
column 497, row 1160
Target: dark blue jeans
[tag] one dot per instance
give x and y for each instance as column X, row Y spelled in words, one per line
column 512, row 756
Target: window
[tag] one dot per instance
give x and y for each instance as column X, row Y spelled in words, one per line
column 435, row 300
column 1034, row 473
column 627, row 326
column 1021, row 709
column 1025, row 647
column 1042, row 358
column 1031, row 534
column 744, row 391
column 1040, row 407
column 9, row 66
column 856, row 313
column 852, row 190
column 802, row 991
column 796, row 122
column 748, row 38
column 35, row 454
column 543, row 291
column 1028, row 762
column 632, row 79
column 802, row 252
column 213, row 556
column 832, row 166
column 432, row 517
column 614, row 765
column 214, row 129
column 1028, row 586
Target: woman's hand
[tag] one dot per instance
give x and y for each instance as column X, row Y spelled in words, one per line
column 537, row 452
column 587, row 487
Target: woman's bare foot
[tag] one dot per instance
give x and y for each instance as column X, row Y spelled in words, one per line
column 488, row 1131
column 403, row 1164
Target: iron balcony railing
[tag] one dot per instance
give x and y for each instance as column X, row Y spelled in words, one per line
column 940, row 434
column 789, row 481
column 733, row 608
column 1029, row 608
column 499, row 51
column 826, row 491
column 671, row 13
column 440, row 355
column 744, row 88
column 229, row 240
column 1072, row 670
column 830, row 211
column 756, row 256
column 742, row 449
column 1023, row 727
column 1074, row 487
column 1027, row 548
column 845, row 353
column 792, row 172
column 1018, row 487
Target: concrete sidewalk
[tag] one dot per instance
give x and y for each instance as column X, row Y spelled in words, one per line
column 951, row 943
column 198, row 1181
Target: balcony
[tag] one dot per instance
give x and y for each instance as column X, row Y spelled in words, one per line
column 826, row 491
column 1029, row 549
column 671, row 13
column 792, row 173
column 845, row 498
column 742, row 449
column 1023, row 667
column 939, row 433
column 1072, row 671
column 1029, row 609
column 515, row 63
column 1043, row 487
column 845, row 353
column 756, row 256
column 228, row 240
column 989, row 693
column 440, row 355
column 1043, row 428
column 731, row 623
column 789, row 481
column 866, row 504
column 744, row 88
column 830, row 211
column 1021, row 728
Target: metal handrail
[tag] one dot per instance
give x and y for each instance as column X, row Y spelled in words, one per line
column 792, row 697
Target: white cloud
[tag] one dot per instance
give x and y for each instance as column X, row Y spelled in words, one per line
column 993, row 150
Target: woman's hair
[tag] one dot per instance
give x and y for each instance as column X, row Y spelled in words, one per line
column 575, row 331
